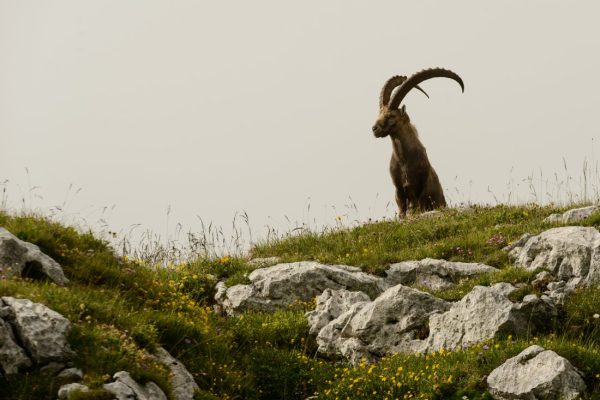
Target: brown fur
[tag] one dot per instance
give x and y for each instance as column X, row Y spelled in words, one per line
column 417, row 184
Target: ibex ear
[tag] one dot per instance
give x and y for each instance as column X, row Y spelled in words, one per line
column 403, row 109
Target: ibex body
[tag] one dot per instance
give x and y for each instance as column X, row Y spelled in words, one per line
column 417, row 184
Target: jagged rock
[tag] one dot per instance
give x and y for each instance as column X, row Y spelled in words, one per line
column 519, row 243
column 125, row 388
column 27, row 260
column 336, row 337
column 330, row 305
column 558, row 292
column 66, row 390
column 283, row 284
column 41, row 330
column 485, row 312
column 71, row 374
column 182, row 381
column 536, row 373
column 574, row 215
column 395, row 322
column 570, row 253
column 432, row 273
column 12, row 356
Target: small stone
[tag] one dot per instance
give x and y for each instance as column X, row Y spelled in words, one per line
column 66, row 390
column 536, row 373
column 71, row 374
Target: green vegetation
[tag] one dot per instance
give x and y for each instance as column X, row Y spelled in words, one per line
column 123, row 308
column 477, row 234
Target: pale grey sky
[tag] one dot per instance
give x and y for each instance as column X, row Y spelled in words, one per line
column 266, row 106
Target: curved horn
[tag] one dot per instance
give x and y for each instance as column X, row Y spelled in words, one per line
column 419, row 77
column 389, row 87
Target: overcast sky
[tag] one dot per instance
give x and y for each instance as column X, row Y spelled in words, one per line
column 212, row 108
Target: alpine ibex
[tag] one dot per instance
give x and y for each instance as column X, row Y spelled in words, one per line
column 417, row 184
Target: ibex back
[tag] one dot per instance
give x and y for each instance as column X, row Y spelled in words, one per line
column 417, row 184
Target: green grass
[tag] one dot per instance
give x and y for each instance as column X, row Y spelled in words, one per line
column 477, row 234
column 121, row 309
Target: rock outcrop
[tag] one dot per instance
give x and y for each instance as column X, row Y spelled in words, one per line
column 484, row 313
column 31, row 334
column 536, row 373
column 26, row 260
column 570, row 253
column 283, row 284
column 330, row 305
column 433, row 274
column 574, row 215
column 395, row 322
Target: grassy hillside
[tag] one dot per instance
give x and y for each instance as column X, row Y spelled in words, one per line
column 119, row 307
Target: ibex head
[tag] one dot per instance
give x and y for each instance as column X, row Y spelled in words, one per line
column 391, row 118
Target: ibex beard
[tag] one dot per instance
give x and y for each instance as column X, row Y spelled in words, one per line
column 417, row 184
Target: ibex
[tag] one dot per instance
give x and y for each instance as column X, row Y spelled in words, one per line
column 417, row 184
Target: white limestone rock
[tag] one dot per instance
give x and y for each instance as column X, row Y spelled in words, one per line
column 71, row 374
column 574, row 215
column 432, row 273
column 393, row 323
column 536, row 373
column 485, row 312
column 337, row 338
column 12, row 357
column 27, row 260
column 66, row 390
column 330, row 305
column 41, row 330
column 125, row 388
column 182, row 382
column 570, row 253
column 283, row 284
